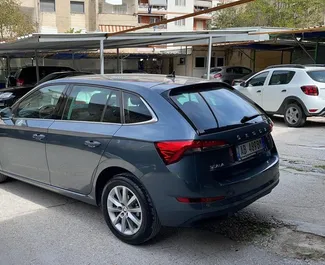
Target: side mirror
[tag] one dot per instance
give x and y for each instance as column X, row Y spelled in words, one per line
column 243, row 84
column 6, row 114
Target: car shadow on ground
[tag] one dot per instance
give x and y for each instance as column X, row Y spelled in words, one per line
column 310, row 123
column 241, row 227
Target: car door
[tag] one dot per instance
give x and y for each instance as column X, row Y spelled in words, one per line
column 277, row 89
column 23, row 137
column 254, row 87
column 76, row 143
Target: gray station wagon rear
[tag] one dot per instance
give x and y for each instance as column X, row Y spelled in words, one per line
column 151, row 151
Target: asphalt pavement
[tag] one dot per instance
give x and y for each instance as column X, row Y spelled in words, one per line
column 286, row 227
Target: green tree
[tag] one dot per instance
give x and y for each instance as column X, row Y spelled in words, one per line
column 13, row 22
column 72, row 30
column 273, row 13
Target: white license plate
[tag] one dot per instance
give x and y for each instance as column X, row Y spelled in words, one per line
column 249, row 149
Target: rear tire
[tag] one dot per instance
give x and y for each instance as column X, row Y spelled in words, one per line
column 129, row 213
column 3, row 178
column 294, row 116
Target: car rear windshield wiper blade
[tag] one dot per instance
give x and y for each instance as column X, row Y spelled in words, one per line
column 248, row 118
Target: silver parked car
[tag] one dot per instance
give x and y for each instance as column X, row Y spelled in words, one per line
column 228, row 73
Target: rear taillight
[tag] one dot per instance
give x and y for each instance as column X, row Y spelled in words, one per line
column 173, row 151
column 217, row 75
column 20, row 82
column 310, row 90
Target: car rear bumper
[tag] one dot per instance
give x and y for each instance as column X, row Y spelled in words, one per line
column 238, row 195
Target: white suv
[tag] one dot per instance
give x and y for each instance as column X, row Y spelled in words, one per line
column 295, row 91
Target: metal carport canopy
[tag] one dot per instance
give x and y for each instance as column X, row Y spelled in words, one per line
column 38, row 43
column 88, row 41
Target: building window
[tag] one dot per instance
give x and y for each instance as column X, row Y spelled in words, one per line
column 154, row 20
column 180, row 23
column 220, row 61
column 47, row 5
column 77, row 7
column 180, row 2
column 120, row 9
column 199, row 62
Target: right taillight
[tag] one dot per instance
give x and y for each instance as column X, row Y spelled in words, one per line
column 310, row 90
column 173, row 151
column 217, row 75
column 20, row 82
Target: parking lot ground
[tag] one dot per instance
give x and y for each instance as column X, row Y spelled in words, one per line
column 286, row 227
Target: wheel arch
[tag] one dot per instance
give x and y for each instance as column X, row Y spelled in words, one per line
column 107, row 170
column 291, row 100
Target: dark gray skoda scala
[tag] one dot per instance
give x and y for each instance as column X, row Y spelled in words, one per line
column 150, row 150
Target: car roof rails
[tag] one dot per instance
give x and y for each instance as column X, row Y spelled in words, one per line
column 286, row 66
column 315, row 65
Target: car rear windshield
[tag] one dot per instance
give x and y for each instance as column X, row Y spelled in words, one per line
column 318, row 75
column 216, row 108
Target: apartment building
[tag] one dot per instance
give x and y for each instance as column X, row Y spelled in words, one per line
column 58, row 16
column 150, row 11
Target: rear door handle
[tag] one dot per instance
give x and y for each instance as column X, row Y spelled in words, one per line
column 284, row 90
column 258, row 91
column 38, row 136
column 92, row 144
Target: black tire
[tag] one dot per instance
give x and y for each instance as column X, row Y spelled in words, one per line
column 294, row 116
column 3, row 178
column 150, row 224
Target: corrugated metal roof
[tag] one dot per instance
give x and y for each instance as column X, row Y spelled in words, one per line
column 89, row 41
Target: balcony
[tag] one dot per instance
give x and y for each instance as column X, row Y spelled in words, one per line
column 202, row 3
column 144, row 9
column 155, row 28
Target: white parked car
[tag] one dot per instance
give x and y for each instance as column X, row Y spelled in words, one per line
column 295, row 91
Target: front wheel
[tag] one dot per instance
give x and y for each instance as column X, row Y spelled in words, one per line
column 128, row 210
column 294, row 116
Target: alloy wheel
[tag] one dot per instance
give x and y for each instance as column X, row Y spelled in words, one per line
column 292, row 115
column 124, row 210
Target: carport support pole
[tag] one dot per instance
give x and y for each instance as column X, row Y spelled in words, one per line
column 37, row 68
column 118, row 60
column 316, row 51
column 8, row 66
column 102, row 62
column 209, row 58
column 185, row 60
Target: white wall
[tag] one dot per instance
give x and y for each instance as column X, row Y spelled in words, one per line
column 176, row 11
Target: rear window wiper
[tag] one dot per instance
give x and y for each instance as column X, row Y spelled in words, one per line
column 248, row 118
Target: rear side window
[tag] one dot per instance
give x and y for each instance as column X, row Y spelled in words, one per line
column 281, row 77
column 135, row 110
column 318, row 76
column 95, row 104
column 218, row 108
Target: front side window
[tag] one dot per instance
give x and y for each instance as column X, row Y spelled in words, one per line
column 281, row 77
column 95, row 104
column 42, row 104
column 135, row 110
column 258, row 80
